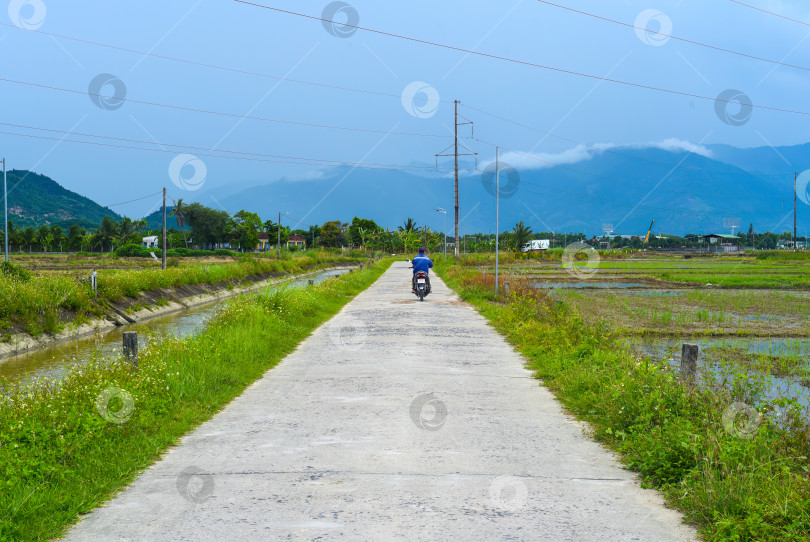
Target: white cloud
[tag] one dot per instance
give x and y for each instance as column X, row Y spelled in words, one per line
column 582, row 153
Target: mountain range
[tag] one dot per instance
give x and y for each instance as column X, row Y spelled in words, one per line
column 685, row 188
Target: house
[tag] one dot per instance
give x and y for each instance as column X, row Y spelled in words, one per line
column 719, row 242
column 264, row 240
column 297, row 241
column 150, row 242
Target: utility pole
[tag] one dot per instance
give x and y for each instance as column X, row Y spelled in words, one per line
column 455, row 153
column 795, row 242
column 5, row 201
column 497, row 209
column 440, row 210
column 163, row 261
column 278, row 246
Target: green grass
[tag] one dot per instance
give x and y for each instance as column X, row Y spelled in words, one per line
column 37, row 302
column 61, row 458
column 728, row 485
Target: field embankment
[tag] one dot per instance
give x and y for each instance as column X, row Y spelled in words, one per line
column 41, row 307
column 732, row 458
column 68, row 446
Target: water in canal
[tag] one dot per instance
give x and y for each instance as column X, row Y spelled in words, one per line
column 54, row 360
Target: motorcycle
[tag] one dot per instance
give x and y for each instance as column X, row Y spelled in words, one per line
column 422, row 286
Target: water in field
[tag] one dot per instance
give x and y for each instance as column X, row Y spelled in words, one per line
column 584, row 285
column 54, row 360
column 713, row 351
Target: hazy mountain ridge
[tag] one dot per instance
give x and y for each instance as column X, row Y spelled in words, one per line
column 625, row 186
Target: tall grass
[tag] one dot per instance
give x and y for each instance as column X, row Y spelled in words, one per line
column 67, row 446
column 37, row 302
column 733, row 481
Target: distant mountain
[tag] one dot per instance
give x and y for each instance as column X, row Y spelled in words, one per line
column 34, row 200
column 683, row 187
column 627, row 187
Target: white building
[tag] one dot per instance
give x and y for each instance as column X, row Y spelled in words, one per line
column 150, row 242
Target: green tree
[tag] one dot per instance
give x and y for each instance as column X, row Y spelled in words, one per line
column 271, row 229
column 332, row 234
column 246, row 226
column 408, row 225
column 28, row 236
column 179, row 214
column 44, row 237
column 106, row 234
column 359, row 229
column 522, row 234
column 75, row 236
column 58, row 235
column 208, row 226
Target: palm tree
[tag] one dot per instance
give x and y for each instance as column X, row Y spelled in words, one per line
column 522, row 234
column 408, row 225
column 179, row 214
column 106, row 232
column 125, row 228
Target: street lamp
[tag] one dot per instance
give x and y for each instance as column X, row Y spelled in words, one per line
column 440, row 210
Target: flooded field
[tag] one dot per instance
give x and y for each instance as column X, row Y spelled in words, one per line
column 54, row 360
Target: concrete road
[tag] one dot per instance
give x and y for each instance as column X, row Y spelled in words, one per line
column 397, row 420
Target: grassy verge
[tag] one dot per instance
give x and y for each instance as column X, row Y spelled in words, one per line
column 39, row 303
column 736, row 472
column 66, row 447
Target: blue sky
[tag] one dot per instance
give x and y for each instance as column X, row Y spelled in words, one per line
column 249, row 38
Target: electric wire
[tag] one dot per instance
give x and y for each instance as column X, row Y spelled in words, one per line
column 527, row 63
column 313, row 162
column 222, row 113
column 216, row 66
column 191, row 147
column 132, row 200
column 771, row 13
column 670, row 36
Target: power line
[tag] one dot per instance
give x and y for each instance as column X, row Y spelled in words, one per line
column 191, row 147
column 771, row 13
column 630, row 156
column 221, row 113
column 528, row 63
column 132, row 200
column 359, row 165
column 216, row 66
column 670, row 36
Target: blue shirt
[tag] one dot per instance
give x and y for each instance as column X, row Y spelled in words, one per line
column 422, row 263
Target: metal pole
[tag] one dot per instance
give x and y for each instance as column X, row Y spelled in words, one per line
column 457, row 247
column 445, row 235
column 497, row 202
column 795, row 242
column 5, row 201
column 163, row 262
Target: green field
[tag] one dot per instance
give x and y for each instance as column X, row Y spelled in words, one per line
column 731, row 449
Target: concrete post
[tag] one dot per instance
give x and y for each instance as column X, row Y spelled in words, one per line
column 131, row 347
column 689, row 356
column 506, row 287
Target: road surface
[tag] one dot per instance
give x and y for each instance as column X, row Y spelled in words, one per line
column 396, row 420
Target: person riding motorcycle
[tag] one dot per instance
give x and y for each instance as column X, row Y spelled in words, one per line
column 421, row 263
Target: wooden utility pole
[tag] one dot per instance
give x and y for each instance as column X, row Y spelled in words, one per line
column 455, row 153
column 278, row 247
column 163, row 262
